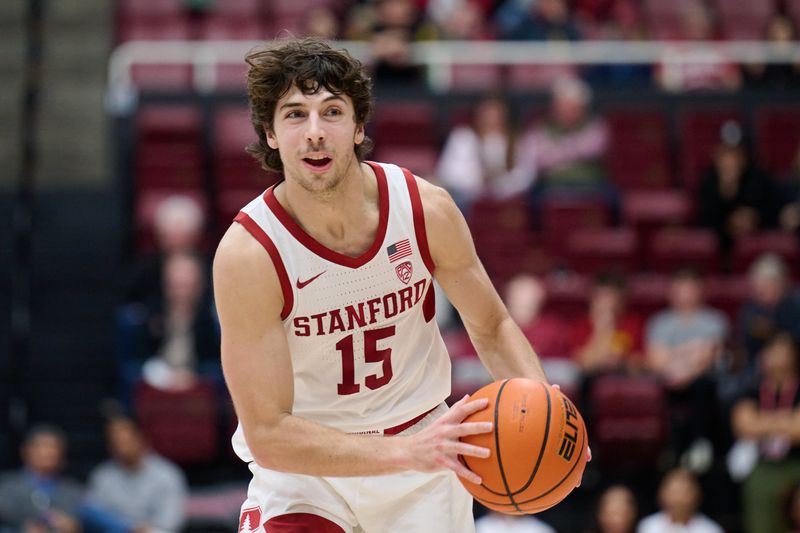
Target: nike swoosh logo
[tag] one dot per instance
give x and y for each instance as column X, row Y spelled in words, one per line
column 301, row 284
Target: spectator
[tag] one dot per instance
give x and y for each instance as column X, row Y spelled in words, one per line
column 789, row 198
column 608, row 338
column 567, row 149
column 459, row 19
column 548, row 333
column 683, row 344
column 792, row 510
column 178, row 224
column 690, row 69
column 396, row 25
column 37, row 498
column 772, row 307
column 322, row 22
column 616, row 511
column 478, row 157
column 734, row 198
column 781, row 32
column 547, row 20
column 499, row 523
column 679, row 499
column 183, row 331
column 768, row 414
column 136, row 490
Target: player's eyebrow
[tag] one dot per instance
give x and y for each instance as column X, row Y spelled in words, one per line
column 301, row 104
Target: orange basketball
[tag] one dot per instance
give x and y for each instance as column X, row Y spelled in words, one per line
column 538, row 447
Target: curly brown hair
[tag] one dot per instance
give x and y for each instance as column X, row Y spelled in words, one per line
column 311, row 65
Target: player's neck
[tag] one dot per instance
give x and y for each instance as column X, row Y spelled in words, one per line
column 341, row 219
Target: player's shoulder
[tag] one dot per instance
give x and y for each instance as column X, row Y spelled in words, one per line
column 240, row 255
column 437, row 204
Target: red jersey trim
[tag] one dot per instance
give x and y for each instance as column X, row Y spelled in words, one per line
column 286, row 286
column 321, row 250
column 394, row 430
column 419, row 220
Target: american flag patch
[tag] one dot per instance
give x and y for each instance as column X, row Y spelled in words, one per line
column 398, row 250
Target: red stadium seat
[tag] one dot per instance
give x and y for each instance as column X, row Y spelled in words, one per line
column 699, row 134
column 793, row 10
column 744, row 20
column 537, row 77
column 476, row 77
column 562, row 216
column 778, row 137
column 163, row 76
column 234, row 168
column 149, row 9
column 237, row 9
column 598, row 250
column 726, row 293
column 649, row 211
column 231, row 77
column 222, row 28
column 169, row 147
column 506, row 254
column 665, row 20
column 405, row 123
column 638, row 154
column 180, row 425
column 420, row 160
column 167, row 28
column 630, row 422
column 674, row 248
column 747, row 248
column 647, row 293
column 568, row 294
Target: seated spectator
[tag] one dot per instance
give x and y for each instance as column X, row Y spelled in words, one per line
column 616, row 511
column 493, row 522
column 679, row 499
column 683, row 346
column 178, row 224
column 772, row 307
column 322, row 22
column 135, row 490
column 788, row 191
column 734, row 197
column 608, row 338
column 546, row 20
column 37, row 498
column 477, row 157
column 548, row 333
column 770, row 415
column 781, row 33
column 567, row 149
column 183, row 331
column 690, row 69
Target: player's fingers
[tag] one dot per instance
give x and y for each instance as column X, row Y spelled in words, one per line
column 472, row 428
column 467, row 408
column 556, row 386
column 462, row 471
column 588, row 454
column 470, row 450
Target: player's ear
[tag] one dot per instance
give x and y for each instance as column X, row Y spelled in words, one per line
column 272, row 141
column 359, row 137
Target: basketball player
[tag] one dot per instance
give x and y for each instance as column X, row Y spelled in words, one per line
column 334, row 362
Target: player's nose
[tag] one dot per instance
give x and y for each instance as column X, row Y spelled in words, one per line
column 314, row 130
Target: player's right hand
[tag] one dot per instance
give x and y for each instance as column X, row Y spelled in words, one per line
column 437, row 447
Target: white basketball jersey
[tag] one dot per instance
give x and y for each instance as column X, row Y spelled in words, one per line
column 366, row 351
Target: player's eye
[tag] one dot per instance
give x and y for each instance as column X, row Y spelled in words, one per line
column 334, row 112
column 294, row 114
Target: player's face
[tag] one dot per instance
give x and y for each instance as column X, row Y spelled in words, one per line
column 315, row 135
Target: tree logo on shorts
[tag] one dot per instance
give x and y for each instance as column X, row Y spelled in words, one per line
column 404, row 271
column 250, row 520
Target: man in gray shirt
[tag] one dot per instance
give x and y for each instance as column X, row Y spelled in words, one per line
column 684, row 342
column 136, row 490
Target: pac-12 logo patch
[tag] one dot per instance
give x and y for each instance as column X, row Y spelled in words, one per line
column 250, row 520
column 404, row 271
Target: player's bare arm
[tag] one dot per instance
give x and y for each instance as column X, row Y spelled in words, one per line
column 258, row 372
column 500, row 343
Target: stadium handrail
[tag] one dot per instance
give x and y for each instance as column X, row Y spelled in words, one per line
column 439, row 56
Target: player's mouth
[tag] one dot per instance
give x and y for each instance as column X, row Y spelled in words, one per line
column 318, row 163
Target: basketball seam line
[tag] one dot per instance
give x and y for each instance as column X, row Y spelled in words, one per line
column 497, row 445
column 544, row 444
